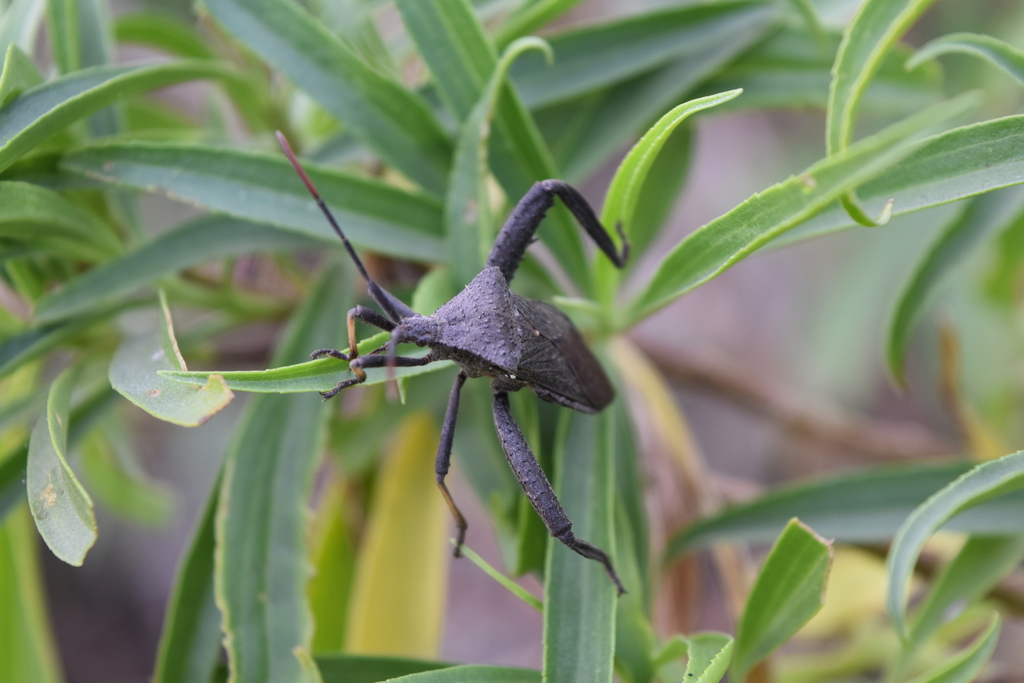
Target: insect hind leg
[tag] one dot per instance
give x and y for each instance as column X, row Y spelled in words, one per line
column 518, row 232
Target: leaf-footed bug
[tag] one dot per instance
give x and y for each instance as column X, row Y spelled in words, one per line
column 491, row 332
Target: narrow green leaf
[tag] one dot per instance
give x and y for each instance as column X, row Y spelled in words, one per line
column 954, row 244
column 392, row 121
column 264, row 188
column 981, row 563
column 163, row 32
column 19, row 74
column 635, row 640
column 579, row 598
column 19, row 24
column 876, row 26
column 467, row 207
column 528, row 18
column 13, row 467
column 641, row 43
column 957, row 164
column 30, row 653
column 31, row 212
column 620, row 204
column 134, row 374
column 789, row 590
column 199, row 241
column 261, row 566
column 728, row 239
column 60, row 506
column 472, row 673
column 190, row 639
column 1006, row 57
column 333, row 559
column 984, row 482
column 350, row 668
column 966, row 666
column 118, row 482
column 505, row 582
column 791, row 69
column 863, row 507
column 462, row 60
column 62, row 23
column 322, row 374
column 40, row 112
column 594, row 127
column 710, row 654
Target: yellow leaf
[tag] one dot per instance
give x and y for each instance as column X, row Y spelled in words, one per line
column 398, row 591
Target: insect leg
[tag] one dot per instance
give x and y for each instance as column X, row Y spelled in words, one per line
column 444, row 457
column 368, row 316
column 537, row 488
column 517, row 233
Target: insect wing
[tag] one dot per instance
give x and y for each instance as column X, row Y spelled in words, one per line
column 557, row 362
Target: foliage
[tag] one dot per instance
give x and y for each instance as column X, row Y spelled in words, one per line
column 423, row 169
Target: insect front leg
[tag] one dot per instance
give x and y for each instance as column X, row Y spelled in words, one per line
column 368, row 316
column 537, row 488
column 517, row 233
column 444, row 457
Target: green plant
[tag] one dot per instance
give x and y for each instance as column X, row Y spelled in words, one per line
column 407, row 165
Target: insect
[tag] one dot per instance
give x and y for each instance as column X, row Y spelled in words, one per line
column 491, row 332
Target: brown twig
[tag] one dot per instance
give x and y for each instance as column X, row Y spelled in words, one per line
column 799, row 415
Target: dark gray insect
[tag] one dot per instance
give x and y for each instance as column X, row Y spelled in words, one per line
column 489, row 331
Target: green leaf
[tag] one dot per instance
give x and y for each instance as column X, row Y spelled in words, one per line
column 190, row 638
column 789, row 590
column 12, row 467
column 984, row 215
column 981, row 563
column 199, row 241
column 30, row 653
column 1006, row 57
column 863, row 507
column 984, row 482
column 349, row 668
column 709, row 657
column 64, row 35
column 472, row 673
column 462, row 60
column 620, row 204
column 505, row 582
column 118, row 482
column 528, row 18
column 957, row 164
column 586, row 132
column 60, row 506
column 642, row 43
column 966, row 666
column 322, row 374
column 398, row 591
column 333, row 559
column 580, row 600
column 264, row 188
column 876, row 26
column 40, row 112
column 19, row 74
column 467, row 207
column 261, row 566
column 20, row 24
column 389, row 119
column 791, row 69
column 163, row 32
column 728, row 239
column 134, row 373
column 36, row 214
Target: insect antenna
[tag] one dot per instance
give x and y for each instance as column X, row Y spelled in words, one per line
column 394, row 308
